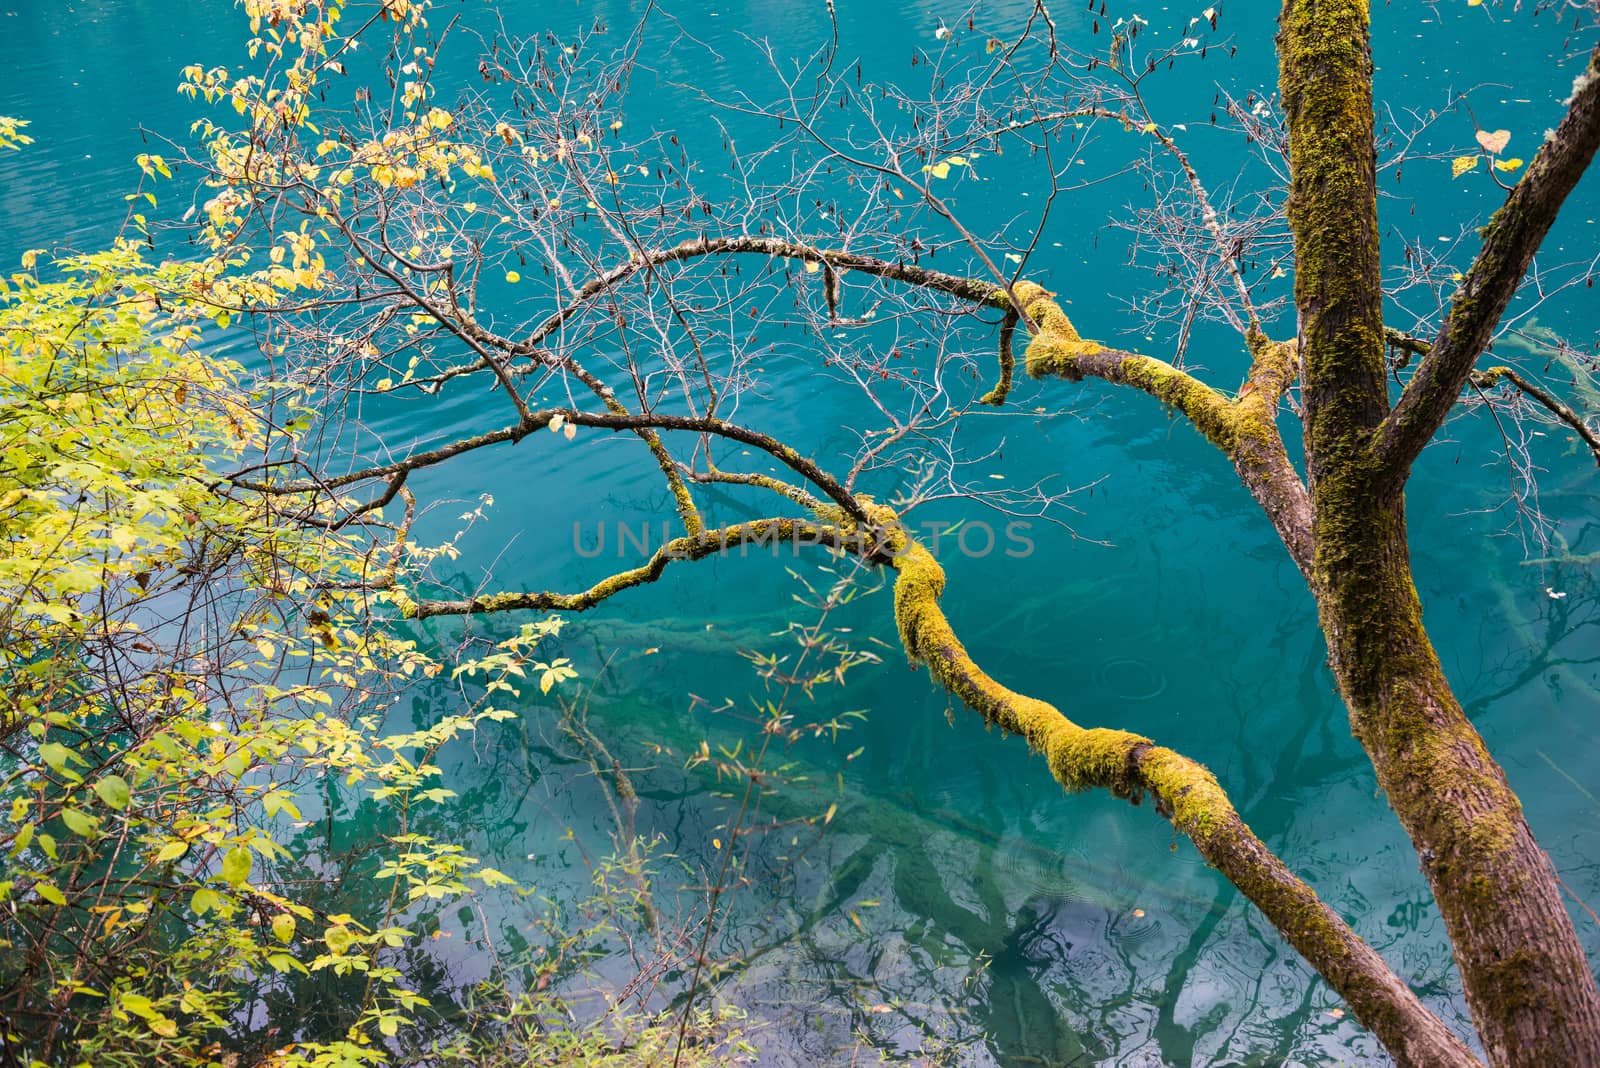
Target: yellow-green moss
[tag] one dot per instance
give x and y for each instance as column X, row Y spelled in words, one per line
column 1127, row 764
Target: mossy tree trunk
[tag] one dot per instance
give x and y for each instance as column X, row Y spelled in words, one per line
column 1526, row 977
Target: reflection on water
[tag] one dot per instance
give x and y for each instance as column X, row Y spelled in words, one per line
column 956, row 906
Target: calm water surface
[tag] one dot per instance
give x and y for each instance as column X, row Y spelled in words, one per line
column 1004, row 923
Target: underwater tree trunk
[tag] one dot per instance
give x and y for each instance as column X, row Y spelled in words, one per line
column 1526, row 977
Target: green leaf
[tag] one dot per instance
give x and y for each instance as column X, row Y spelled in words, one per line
column 137, row 1004
column 49, row 892
column 279, row 801
column 113, row 790
column 338, row 938
column 283, row 927
column 56, row 755
column 79, row 822
column 236, row 865
column 171, row 851
column 204, row 901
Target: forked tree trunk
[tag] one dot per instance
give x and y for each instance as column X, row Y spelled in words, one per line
column 1527, row 980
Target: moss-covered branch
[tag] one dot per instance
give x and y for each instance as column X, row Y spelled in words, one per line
column 1244, row 429
column 1509, row 243
column 1132, row 766
column 1057, row 351
column 1007, row 359
column 762, row 533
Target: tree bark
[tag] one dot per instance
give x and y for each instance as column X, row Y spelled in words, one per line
column 1526, row 977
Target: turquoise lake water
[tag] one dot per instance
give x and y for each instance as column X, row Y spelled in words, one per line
column 1002, row 922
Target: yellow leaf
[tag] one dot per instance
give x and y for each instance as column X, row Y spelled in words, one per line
column 1462, row 164
column 1507, row 164
column 940, row 170
column 1494, row 142
column 513, row 277
column 812, row 267
column 716, row 843
column 828, row 817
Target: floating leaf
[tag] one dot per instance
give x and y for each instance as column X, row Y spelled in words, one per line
column 513, row 277
column 1462, row 164
column 1494, row 142
column 1507, row 164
